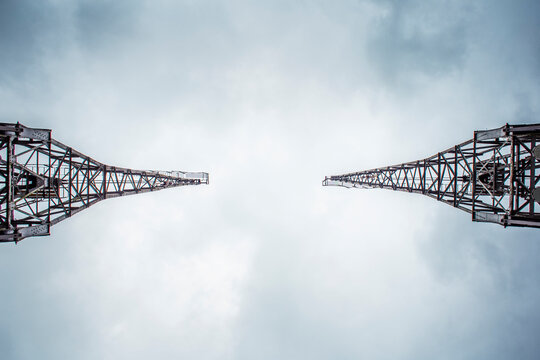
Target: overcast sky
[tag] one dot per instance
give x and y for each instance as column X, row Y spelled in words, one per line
column 269, row 97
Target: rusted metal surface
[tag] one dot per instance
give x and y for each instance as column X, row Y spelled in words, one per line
column 495, row 176
column 44, row 181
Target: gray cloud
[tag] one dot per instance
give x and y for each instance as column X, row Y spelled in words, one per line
column 502, row 267
column 415, row 38
column 26, row 31
column 106, row 25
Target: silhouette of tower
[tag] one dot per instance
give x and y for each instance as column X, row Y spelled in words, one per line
column 43, row 181
column 495, row 176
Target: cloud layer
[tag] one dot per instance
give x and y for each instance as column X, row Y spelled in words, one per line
column 269, row 97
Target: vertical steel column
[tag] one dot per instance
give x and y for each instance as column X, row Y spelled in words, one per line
column 9, row 180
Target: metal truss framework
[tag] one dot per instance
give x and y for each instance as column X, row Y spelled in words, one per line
column 495, row 176
column 43, row 181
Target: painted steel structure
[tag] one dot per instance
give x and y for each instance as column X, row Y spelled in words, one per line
column 495, row 176
column 43, row 181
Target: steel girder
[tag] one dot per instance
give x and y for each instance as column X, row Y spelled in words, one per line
column 43, row 181
column 495, row 176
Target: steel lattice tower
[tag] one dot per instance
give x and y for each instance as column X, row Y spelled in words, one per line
column 43, row 181
column 495, row 176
